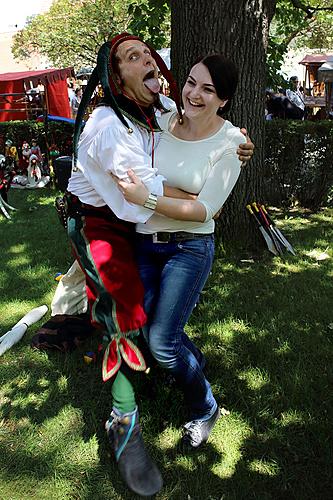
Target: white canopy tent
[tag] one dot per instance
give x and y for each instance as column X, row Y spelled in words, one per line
column 165, row 54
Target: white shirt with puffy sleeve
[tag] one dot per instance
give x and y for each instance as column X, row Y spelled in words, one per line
column 106, row 147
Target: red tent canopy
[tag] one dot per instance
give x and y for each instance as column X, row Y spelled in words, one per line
column 56, row 93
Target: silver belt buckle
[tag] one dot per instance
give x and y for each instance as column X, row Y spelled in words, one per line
column 156, row 240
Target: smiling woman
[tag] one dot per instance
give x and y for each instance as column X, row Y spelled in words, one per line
column 175, row 246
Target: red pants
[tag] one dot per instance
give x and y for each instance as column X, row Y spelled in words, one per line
column 103, row 246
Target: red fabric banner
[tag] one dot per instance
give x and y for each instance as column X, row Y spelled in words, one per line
column 10, row 101
column 57, row 96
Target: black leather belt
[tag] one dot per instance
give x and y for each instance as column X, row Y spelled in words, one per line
column 164, row 237
column 76, row 208
column 105, row 212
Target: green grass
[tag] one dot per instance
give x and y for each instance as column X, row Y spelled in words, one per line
column 266, row 328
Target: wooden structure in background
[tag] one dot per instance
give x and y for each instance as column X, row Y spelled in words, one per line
column 318, row 91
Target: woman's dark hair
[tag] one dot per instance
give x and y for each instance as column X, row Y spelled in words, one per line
column 224, row 75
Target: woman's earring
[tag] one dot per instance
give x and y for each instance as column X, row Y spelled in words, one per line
column 220, row 110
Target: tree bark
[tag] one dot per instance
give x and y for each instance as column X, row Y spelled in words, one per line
column 239, row 30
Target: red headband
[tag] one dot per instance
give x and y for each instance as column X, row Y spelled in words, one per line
column 118, row 39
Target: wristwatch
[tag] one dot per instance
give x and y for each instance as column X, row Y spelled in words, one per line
column 151, row 201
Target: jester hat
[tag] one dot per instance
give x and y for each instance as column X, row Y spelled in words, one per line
column 104, row 73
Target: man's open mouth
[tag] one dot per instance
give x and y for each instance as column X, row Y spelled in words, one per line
column 151, row 82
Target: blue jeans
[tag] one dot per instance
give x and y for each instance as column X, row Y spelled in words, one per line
column 173, row 275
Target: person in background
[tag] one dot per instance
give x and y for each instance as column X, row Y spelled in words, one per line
column 70, row 89
column 35, row 150
column 295, row 96
column 75, row 102
column 26, row 153
column 11, row 154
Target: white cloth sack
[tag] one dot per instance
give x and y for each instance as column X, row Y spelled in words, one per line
column 70, row 296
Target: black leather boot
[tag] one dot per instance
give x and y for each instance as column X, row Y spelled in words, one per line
column 135, row 465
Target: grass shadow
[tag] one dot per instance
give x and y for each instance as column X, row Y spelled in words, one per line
column 266, row 330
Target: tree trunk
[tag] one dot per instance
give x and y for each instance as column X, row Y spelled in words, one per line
column 239, row 30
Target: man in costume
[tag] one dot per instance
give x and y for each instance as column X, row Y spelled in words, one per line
column 118, row 136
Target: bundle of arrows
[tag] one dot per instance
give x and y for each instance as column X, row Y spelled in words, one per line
column 275, row 240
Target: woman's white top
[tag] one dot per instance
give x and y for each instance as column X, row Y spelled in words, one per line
column 209, row 167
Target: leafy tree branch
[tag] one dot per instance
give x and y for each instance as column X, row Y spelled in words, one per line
column 309, row 9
